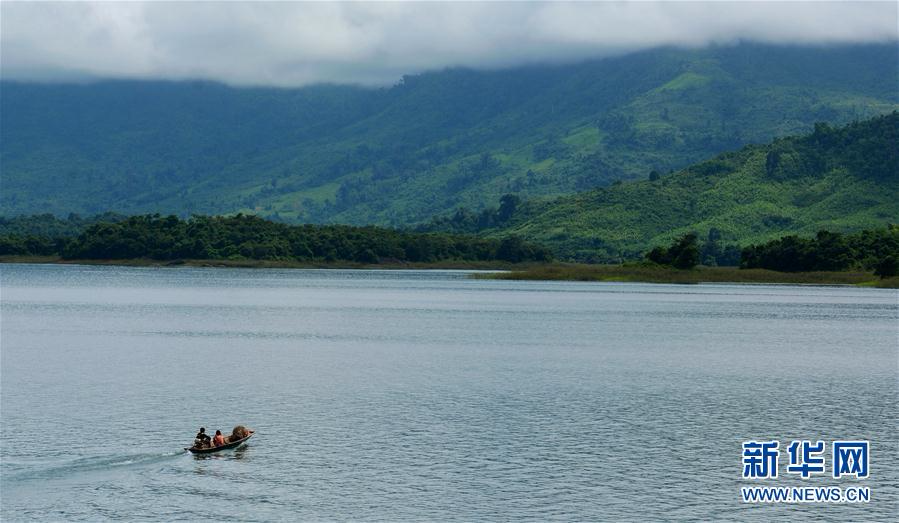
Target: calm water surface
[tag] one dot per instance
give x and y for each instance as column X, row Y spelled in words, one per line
column 414, row 395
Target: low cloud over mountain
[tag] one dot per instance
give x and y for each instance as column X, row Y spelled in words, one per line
column 292, row 44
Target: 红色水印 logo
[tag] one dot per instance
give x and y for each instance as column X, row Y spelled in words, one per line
column 806, row 459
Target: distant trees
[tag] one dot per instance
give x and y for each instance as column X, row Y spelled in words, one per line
column 507, row 206
column 514, row 249
column 867, row 149
column 552, row 147
column 468, row 222
column 875, row 250
column 250, row 237
column 29, row 245
column 682, row 254
column 887, row 267
column 714, row 252
column 772, row 162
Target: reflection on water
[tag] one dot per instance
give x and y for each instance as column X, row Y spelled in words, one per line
column 413, row 395
column 236, row 453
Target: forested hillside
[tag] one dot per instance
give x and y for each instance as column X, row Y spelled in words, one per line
column 837, row 179
column 430, row 144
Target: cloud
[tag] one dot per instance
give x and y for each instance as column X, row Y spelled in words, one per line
column 293, row 43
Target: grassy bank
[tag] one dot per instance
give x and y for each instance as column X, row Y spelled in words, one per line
column 526, row 271
column 656, row 274
column 274, row 264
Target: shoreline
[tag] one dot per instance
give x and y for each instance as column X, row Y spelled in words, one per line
column 657, row 274
column 271, row 264
column 523, row 271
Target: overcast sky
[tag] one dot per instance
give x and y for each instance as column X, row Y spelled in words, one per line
column 292, row 44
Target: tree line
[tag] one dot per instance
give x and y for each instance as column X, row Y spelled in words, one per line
column 876, row 250
column 686, row 252
column 871, row 250
column 250, row 237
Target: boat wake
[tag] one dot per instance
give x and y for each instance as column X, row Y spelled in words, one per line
column 93, row 463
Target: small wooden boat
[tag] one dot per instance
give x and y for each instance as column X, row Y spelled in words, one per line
column 228, row 445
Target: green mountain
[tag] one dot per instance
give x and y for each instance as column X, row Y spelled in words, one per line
column 431, row 143
column 839, row 179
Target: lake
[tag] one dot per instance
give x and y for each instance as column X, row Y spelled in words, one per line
column 427, row 395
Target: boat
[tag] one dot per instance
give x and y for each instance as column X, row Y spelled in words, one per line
column 227, row 445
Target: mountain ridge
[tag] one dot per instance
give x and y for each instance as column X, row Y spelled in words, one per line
column 433, row 142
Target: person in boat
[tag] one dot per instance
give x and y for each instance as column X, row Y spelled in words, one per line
column 202, row 440
column 218, row 440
